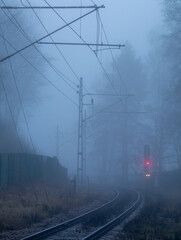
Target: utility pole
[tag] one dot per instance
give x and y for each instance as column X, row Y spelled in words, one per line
column 57, row 143
column 59, row 135
column 125, row 148
column 84, row 147
column 85, row 119
column 81, row 154
column 80, row 136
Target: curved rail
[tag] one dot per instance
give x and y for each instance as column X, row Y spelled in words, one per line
column 107, row 227
column 69, row 223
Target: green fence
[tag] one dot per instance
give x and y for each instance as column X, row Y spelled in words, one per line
column 20, row 169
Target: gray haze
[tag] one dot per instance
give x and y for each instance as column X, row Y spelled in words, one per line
column 124, row 21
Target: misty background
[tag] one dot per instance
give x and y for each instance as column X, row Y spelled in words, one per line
column 39, row 100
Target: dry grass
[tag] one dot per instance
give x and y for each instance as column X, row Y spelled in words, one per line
column 160, row 218
column 27, row 205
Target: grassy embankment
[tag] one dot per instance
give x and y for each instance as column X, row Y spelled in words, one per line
column 160, row 218
column 20, row 208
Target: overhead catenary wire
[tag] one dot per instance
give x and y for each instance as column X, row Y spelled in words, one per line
column 18, row 26
column 59, row 90
column 60, row 52
column 98, row 33
column 22, row 3
column 79, row 35
column 47, row 35
column 93, row 2
column 81, row 19
column 104, row 70
column 105, row 108
column 19, row 96
column 23, row 32
column 103, row 111
column 25, row 118
column 11, row 113
column 113, row 58
column 50, row 35
column 57, row 71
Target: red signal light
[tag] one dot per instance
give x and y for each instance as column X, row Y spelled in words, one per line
column 147, row 163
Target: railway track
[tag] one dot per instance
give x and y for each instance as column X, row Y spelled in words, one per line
column 110, row 225
column 69, row 223
column 54, row 232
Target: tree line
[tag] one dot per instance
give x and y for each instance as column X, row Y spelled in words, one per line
column 152, row 115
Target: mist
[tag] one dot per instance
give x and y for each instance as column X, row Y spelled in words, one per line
column 50, row 110
column 90, row 116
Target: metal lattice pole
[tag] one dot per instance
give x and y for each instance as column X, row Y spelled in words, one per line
column 80, row 136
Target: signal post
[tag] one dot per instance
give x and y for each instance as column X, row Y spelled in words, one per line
column 148, row 174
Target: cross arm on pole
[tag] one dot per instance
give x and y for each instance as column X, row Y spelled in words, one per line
column 127, row 112
column 84, row 44
column 103, row 109
column 108, row 94
column 46, row 7
column 47, row 35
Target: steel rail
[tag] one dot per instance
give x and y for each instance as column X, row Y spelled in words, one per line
column 107, row 227
column 69, row 223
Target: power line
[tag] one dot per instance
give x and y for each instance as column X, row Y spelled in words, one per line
column 93, row 2
column 103, row 109
column 81, row 19
column 16, row 85
column 110, row 49
column 114, row 61
column 65, row 22
column 60, row 74
column 56, row 46
column 85, row 44
column 60, row 91
column 26, row 36
column 5, row 40
column 70, row 28
column 104, row 70
column 19, row 96
column 47, row 35
column 11, row 113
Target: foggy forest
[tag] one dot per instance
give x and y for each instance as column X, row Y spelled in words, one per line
column 90, row 114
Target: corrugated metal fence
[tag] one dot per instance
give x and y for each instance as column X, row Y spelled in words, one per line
column 18, row 169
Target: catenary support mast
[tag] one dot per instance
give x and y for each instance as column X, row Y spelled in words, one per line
column 80, row 136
